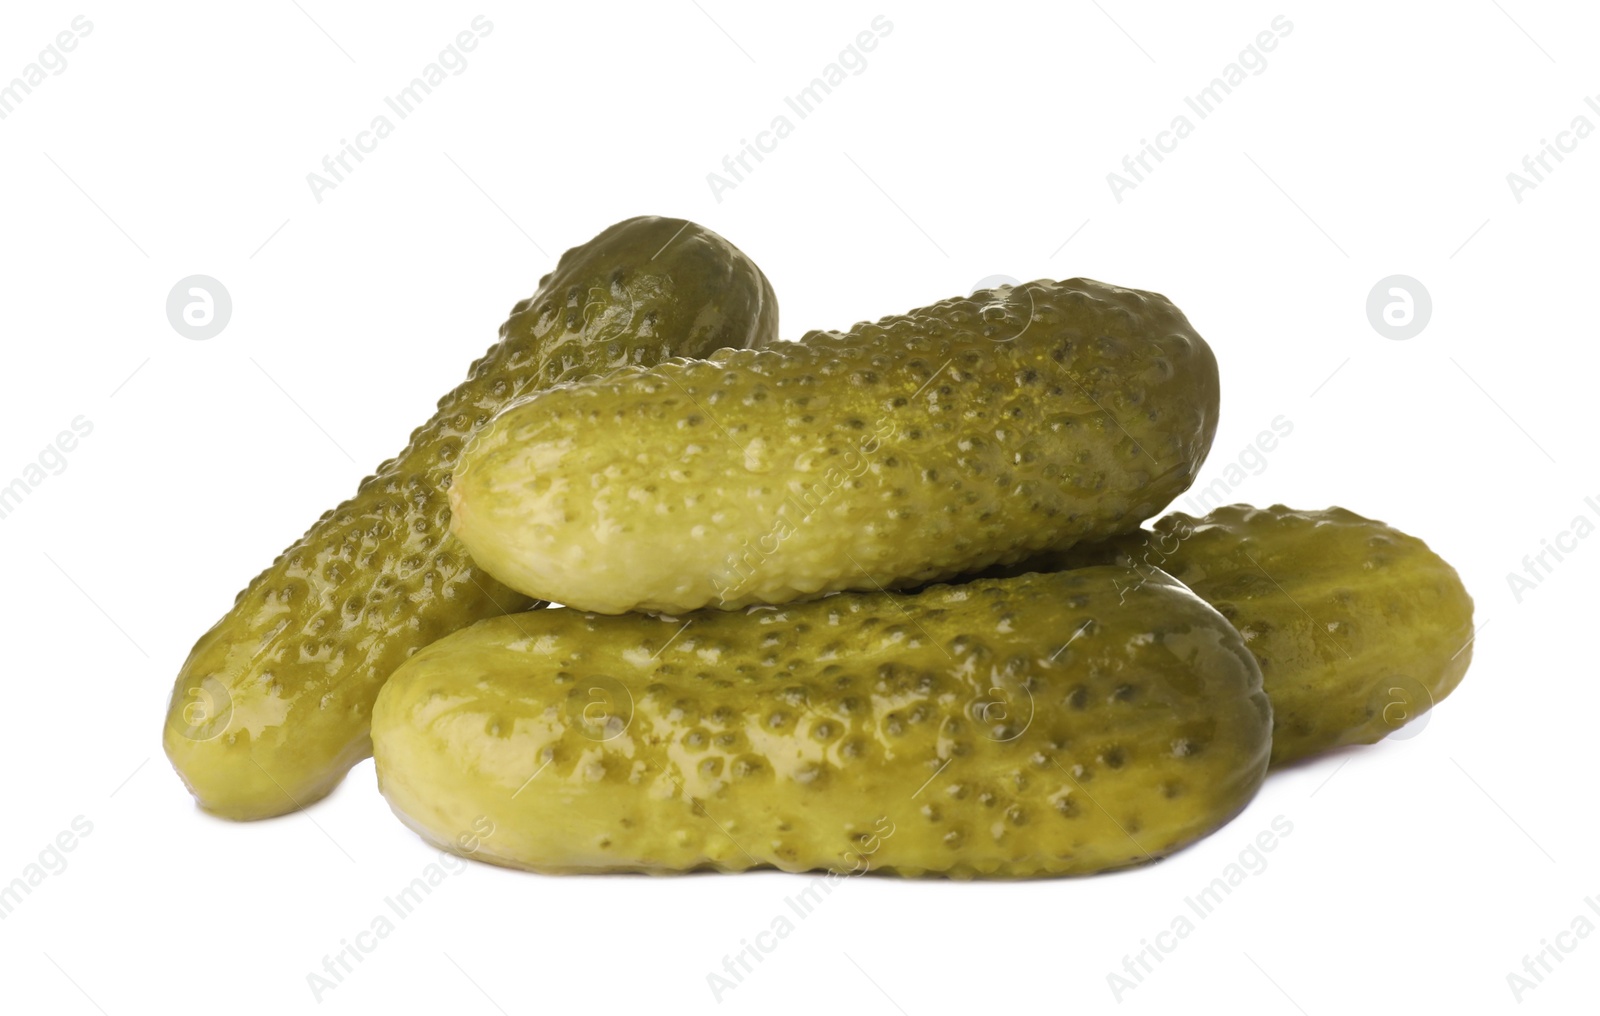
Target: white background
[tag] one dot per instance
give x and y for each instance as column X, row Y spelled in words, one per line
column 975, row 142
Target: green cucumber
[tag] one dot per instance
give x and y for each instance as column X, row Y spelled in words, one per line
column 1359, row 628
column 273, row 704
column 1040, row 725
column 979, row 430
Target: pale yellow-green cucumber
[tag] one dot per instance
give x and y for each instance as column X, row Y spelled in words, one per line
column 977, row 431
column 1031, row 726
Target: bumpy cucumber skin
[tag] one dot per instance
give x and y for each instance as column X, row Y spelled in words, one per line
column 1040, row 725
column 272, row 706
column 975, row 431
column 1358, row 627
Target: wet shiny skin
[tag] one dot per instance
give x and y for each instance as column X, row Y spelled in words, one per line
column 272, row 706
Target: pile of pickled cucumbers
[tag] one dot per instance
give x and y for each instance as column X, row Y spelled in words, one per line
column 654, row 591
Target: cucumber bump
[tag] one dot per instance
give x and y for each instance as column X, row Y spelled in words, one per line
column 1360, row 629
column 977, row 431
column 272, row 706
column 1040, row 725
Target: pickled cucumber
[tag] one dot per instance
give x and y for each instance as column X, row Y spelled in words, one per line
column 1041, row 725
column 272, row 706
column 974, row 431
column 1359, row 628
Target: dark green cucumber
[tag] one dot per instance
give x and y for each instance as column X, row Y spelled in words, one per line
column 1359, row 628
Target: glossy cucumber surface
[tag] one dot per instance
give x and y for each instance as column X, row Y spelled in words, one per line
column 976, row 431
column 1359, row 628
column 272, row 706
column 1040, row 725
